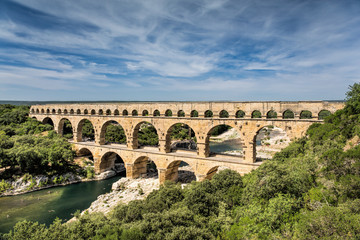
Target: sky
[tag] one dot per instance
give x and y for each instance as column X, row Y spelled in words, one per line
column 178, row 50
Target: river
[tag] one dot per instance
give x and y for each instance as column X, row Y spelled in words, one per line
column 47, row 204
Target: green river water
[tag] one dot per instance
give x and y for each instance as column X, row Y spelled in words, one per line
column 47, row 204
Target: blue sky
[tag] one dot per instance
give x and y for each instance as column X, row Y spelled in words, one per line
column 243, row 50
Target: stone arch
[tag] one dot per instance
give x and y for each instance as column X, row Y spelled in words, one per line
column 53, row 111
column 212, row 171
column 194, row 113
column 323, row 114
column 224, row 114
column 89, row 135
column 93, row 112
column 208, row 114
column 288, row 114
column 232, row 146
column 145, row 113
column 108, row 112
column 143, row 167
column 156, row 113
column 86, row 111
column 271, row 114
column 187, row 139
column 47, row 111
column 65, row 128
column 143, row 129
column 78, row 111
column 116, row 112
column 134, row 112
column 101, row 112
column 37, row 111
column 172, row 172
column 71, row 111
column 125, row 112
column 168, row 113
column 65, row 111
column 49, row 121
column 305, row 114
column 109, row 161
column 42, row 111
column 118, row 136
column 85, row 152
column 240, row 114
column 32, row 111
column 256, row 114
column 181, row 113
column 59, row 111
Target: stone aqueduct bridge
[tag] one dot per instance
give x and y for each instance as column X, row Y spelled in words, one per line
column 131, row 115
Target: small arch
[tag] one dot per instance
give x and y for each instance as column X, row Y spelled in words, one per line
column 101, row 112
column 194, row 113
column 144, row 167
column 116, row 112
column 37, row 110
column 65, row 111
column 156, row 113
column 180, row 136
column 42, row 111
column 125, row 112
column 65, row 128
column 112, row 161
column 86, row 111
column 112, row 132
column 78, row 111
column 180, row 171
column 288, row 114
column 224, row 114
column 208, row 114
column 305, row 114
column 32, row 111
column 134, row 112
column 59, row 111
column 323, row 114
column 85, row 131
column 181, row 113
column 240, row 114
column 168, row 113
column 93, row 112
column 48, row 121
column 271, row 114
column 108, row 112
column 53, row 111
column 71, row 111
column 47, row 111
column 256, row 114
column 145, row 113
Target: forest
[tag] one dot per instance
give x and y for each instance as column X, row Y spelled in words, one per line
column 309, row 190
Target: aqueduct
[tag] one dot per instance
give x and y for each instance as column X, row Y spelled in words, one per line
column 246, row 117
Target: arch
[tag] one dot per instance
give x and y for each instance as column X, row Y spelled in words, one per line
column 111, row 161
column 65, row 128
column 144, row 167
column 216, row 141
column 108, row 112
column 256, row 114
column 85, row 152
column 271, row 114
column 71, row 111
column 101, row 112
column 37, row 110
column 112, row 132
column 323, row 114
column 116, row 112
column 65, row 111
column 208, row 114
column 211, row 172
column 78, row 111
column 134, row 113
column 32, row 111
column 185, row 175
column 42, row 111
column 305, row 114
column 288, row 114
column 86, row 111
column 194, row 113
column 145, row 113
column 125, row 112
column 240, row 114
column 145, row 134
column 49, row 121
column 180, row 136
column 85, row 131
column 53, row 111
column 93, row 112
column 181, row 113
column 59, row 111
column 168, row 113
column 223, row 114
column 47, row 111
column 156, row 113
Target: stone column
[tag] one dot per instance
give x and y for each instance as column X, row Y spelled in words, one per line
column 162, row 175
column 130, row 170
column 249, row 151
column 203, row 151
column 162, row 146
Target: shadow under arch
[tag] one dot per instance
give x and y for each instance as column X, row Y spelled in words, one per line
column 145, row 134
column 225, row 140
column 85, row 131
column 85, row 152
column 112, row 132
column 65, row 128
column 185, row 174
column 180, row 136
column 49, row 121
column 144, row 167
column 112, row 161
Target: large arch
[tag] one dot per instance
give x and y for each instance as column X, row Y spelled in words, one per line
column 145, row 134
column 180, row 136
column 65, row 128
column 186, row 173
column 49, row 121
column 111, row 161
column 112, row 132
column 144, row 167
column 225, row 139
column 85, row 131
